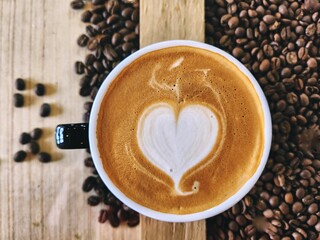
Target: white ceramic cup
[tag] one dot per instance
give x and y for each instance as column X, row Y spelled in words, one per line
column 166, row 216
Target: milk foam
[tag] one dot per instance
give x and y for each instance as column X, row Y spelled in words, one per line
column 175, row 143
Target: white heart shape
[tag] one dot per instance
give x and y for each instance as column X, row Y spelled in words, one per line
column 176, row 144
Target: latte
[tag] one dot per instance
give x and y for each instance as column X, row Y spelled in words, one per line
column 180, row 130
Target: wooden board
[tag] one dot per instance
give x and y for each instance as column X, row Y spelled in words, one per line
column 162, row 20
column 45, row 201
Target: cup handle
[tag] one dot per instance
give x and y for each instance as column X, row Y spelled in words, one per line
column 72, row 136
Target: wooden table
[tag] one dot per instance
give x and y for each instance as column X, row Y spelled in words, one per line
column 45, row 201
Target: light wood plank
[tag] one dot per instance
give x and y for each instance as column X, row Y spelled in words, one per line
column 166, row 20
column 44, row 201
column 171, row 19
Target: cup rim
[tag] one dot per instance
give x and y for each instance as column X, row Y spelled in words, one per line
column 168, row 217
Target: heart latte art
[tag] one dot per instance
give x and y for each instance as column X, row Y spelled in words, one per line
column 180, row 130
column 173, row 143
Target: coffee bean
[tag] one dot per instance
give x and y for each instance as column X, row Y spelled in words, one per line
column 307, row 200
column 238, row 52
column 312, row 63
column 79, row 67
column 89, row 184
column 93, row 200
column 24, row 138
column 114, row 220
column 88, row 162
column 34, row 147
column 269, row 19
column 85, row 91
column 291, row 58
column 288, row 198
column 233, row 22
column 45, row 110
column 44, row 157
column 20, row 156
column 274, row 201
column 86, row 16
column 268, row 213
column 284, row 208
column 110, row 53
column 297, row 207
column 77, row 4
column 264, row 65
column 311, row 30
column 36, row 133
column 103, row 216
column 313, row 219
column 133, row 220
column 82, row 40
column 40, row 89
column 92, row 44
column 18, row 100
column 20, row 84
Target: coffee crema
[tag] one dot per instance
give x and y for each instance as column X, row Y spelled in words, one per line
column 180, row 130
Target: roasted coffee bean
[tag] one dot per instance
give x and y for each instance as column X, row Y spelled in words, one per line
column 110, row 53
column 20, row 84
column 86, row 16
column 269, row 19
column 96, row 18
column 44, row 157
column 93, row 200
column 24, row 138
column 133, row 220
column 92, row 44
column 103, row 216
column 113, row 219
column 88, row 162
column 79, row 67
column 34, row 147
column 77, row 4
column 297, row 207
column 45, row 110
column 82, row 40
column 18, row 100
column 36, row 133
column 20, row 156
column 85, row 90
column 89, row 184
column 40, row 89
column 98, row 2
column 91, row 31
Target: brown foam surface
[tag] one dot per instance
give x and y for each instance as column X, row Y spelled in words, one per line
column 201, row 77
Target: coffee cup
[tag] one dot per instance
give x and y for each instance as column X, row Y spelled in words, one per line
column 179, row 131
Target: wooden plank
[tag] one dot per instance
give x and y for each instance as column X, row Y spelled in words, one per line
column 44, row 201
column 171, row 19
column 166, row 20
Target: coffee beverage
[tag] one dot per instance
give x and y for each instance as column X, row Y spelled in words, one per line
column 180, row 130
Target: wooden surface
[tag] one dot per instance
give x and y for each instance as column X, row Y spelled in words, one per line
column 45, row 201
column 167, row 20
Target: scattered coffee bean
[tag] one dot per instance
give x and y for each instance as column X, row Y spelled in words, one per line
column 86, row 16
column 34, row 147
column 20, row 84
column 18, row 100
column 20, row 156
column 88, row 162
column 24, row 138
column 79, row 67
column 44, row 157
column 40, row 89
column 83, row 40
column 103, row 217
column 45, row 110
column 77, row 4
column 93, row 200
column 89, row 184
column 36, row 133
column 133, row 220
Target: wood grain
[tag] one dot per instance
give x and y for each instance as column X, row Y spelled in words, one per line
column 171, row 19
column 44, row 201
column 162, row 20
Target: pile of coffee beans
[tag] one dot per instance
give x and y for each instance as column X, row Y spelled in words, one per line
column 278, row 41
column 33, row 147
column 111, row 34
